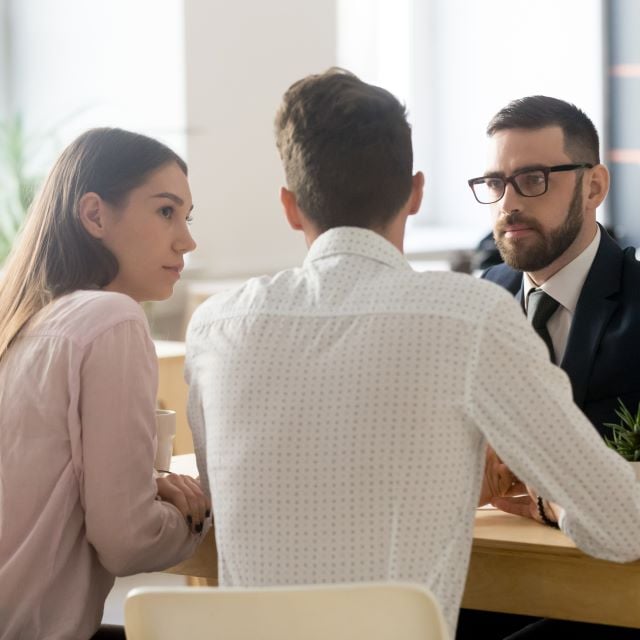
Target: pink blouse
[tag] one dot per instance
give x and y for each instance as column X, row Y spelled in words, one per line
column 77, row 494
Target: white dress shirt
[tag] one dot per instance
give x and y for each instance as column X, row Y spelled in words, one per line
column 564, row 286
column 340, row 413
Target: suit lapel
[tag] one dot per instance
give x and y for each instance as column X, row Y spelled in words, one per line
column 596, row 304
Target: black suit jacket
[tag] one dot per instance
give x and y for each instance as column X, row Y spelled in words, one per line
column 602, row 358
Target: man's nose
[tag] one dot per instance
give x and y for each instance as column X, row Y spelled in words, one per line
column 511, row 200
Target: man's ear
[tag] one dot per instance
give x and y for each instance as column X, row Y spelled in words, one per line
column 290, row 206
column 417, row 189
column 598, row 186
column 91, row 211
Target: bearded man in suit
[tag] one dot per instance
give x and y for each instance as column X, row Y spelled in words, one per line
column 543, row 184
column 581, row 291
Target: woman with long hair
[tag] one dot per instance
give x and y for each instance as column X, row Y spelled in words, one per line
column 79, row 503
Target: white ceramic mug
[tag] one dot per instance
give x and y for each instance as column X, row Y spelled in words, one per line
column 166, row 426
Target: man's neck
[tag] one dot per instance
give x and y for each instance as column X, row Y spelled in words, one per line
column 393, row 232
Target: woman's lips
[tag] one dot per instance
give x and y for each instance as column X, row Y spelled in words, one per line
column 174, row 270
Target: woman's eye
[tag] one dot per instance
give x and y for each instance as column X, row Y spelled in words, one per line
column 189, row 219
column 166, row 212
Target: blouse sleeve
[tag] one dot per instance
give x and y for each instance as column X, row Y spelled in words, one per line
column 130, row 530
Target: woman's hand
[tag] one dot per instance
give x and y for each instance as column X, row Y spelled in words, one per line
column 186, row 494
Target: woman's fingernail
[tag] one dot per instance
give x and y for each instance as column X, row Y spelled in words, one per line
column 189, row 520
column 199, row 527
column 207, row 513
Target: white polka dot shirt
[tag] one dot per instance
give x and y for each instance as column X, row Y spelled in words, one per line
column 340, row 413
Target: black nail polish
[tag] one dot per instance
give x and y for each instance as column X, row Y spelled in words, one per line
column 199, row 527
column 207, row 513
column 189, row 520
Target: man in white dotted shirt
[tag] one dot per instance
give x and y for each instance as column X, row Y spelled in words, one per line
column 341, row 410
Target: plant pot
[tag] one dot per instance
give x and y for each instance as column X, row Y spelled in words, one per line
column 636, row 467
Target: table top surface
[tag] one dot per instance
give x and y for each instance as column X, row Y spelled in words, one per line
column 169, row 348
column 496, row 528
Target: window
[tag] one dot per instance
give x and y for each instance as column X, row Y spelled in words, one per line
column 455, row 63
column 72, row 64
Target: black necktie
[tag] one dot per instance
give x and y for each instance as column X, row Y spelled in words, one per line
column 540, row 307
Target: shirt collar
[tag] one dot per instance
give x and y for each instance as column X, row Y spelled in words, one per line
column 356, row 241
column 565, row 285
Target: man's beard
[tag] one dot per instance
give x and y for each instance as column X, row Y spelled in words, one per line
column 550, row 246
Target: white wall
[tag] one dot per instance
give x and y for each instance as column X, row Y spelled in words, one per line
column 85, row 63
column 241, row 56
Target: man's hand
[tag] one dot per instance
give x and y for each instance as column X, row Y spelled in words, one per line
column 498, row 480
column 185, row 493
column 522, row 505
column 527, row 506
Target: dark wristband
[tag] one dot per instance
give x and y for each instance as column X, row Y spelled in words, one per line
column 543, row 516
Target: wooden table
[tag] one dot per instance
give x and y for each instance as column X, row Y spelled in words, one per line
column 520, row 566
column 517, row 566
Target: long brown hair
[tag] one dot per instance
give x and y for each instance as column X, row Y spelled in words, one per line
column 54, row 254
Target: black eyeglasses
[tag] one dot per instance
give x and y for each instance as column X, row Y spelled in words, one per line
column 529, row 183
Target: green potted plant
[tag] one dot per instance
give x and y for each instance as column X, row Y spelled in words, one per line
column 625, row 435
column 18, row 179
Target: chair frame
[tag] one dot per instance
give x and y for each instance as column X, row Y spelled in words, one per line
column 375, row 611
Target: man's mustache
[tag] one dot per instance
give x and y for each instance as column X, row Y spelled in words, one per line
column 515, row 218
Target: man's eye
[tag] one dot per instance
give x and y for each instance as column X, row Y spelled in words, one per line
column 532, row 179
column 495, row 184
column 166, row 212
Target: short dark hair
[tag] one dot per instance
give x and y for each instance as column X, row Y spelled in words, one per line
column 581, row 141
column 346, row 150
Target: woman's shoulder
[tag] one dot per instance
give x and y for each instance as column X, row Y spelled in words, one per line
column 97, row 301
column 86, row 314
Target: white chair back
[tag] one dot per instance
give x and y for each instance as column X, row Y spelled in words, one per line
column 384, row 611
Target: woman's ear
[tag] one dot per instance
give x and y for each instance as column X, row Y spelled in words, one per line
column 91, row 211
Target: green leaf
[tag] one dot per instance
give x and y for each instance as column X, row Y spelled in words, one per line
column 18, row 183
column 625, row 436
